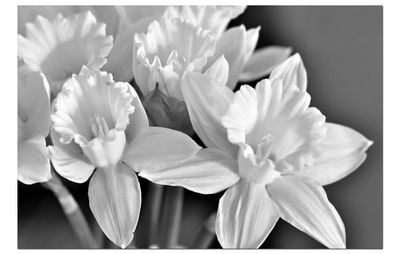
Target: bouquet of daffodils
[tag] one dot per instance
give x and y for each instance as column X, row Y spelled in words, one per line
column 107, row 94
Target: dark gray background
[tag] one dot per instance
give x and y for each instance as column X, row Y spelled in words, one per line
column 342, row 49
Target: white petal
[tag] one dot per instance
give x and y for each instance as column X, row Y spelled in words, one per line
column 232, row 45
column 105, row 14
column 131, row 14
column 209, row 171
column 214, row 18
column 292, row 73
column 207, row 101
column 138, row 121
column 251, row 42
column 171, row 83
column 304, row 204
column 219, row 71
column 115, row 200
column 343, row 151
column 263, row 61
column 33, row 161
column 246, row 215
column 242, row 114
column 119, row 61
column 159, row 148
column 61, row 47
column 33, row 104
column 70, row 164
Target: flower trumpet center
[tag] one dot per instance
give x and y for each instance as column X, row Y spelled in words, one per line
column 170, row 48
column 258, row 167
column 99, row 126
column 264, row 149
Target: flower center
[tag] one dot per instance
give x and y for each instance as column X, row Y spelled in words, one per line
column 258, row 167
column 99, row 126
column 264, row 149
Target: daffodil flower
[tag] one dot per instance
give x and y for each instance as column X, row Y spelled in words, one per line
column 282, row 150
column 33, row 126
column 61, row 46
column 122, row 22
column 237, row 44
column 169, row 48
column 97, row 123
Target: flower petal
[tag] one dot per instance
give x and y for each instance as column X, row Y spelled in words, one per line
column 70, row 164
column 33, row 161
column 131, row 14
column 209, row 171
column 219, row 71
column 138, row 121
column 232, row 45
column 106, row 14
column 207, row 101
column 242, row 114
column 251, row 41
column 246, row 215
column 119, row 61
column 159, row 148
column 263, row 61
column 343, row 151
column 33, row 104
column 292, row 73
column 304, row 204
column 115, row 200
column 214, row 18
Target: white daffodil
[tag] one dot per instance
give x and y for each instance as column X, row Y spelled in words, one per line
column 61, row 46
column 283, row 150
column 97, row 123
column 33, row 126
column 169, row 48
column 237, row 44
column 122, row 22
column 161, row 56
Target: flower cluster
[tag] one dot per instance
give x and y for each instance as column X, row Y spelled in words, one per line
column 265, row 146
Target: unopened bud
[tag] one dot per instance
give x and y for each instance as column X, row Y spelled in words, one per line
column 165, row 111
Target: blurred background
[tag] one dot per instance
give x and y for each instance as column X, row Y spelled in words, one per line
column 342, row 49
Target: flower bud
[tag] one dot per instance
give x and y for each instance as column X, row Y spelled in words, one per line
column 165, row 111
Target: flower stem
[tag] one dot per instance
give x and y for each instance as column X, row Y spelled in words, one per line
column 172, row 216
column 206, row 234
column 153, row 209
column 72, row 211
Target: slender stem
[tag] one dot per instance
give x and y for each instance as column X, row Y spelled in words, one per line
column 153, row 209
column 172, row 216
column 206, row 234
column 72, row 211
